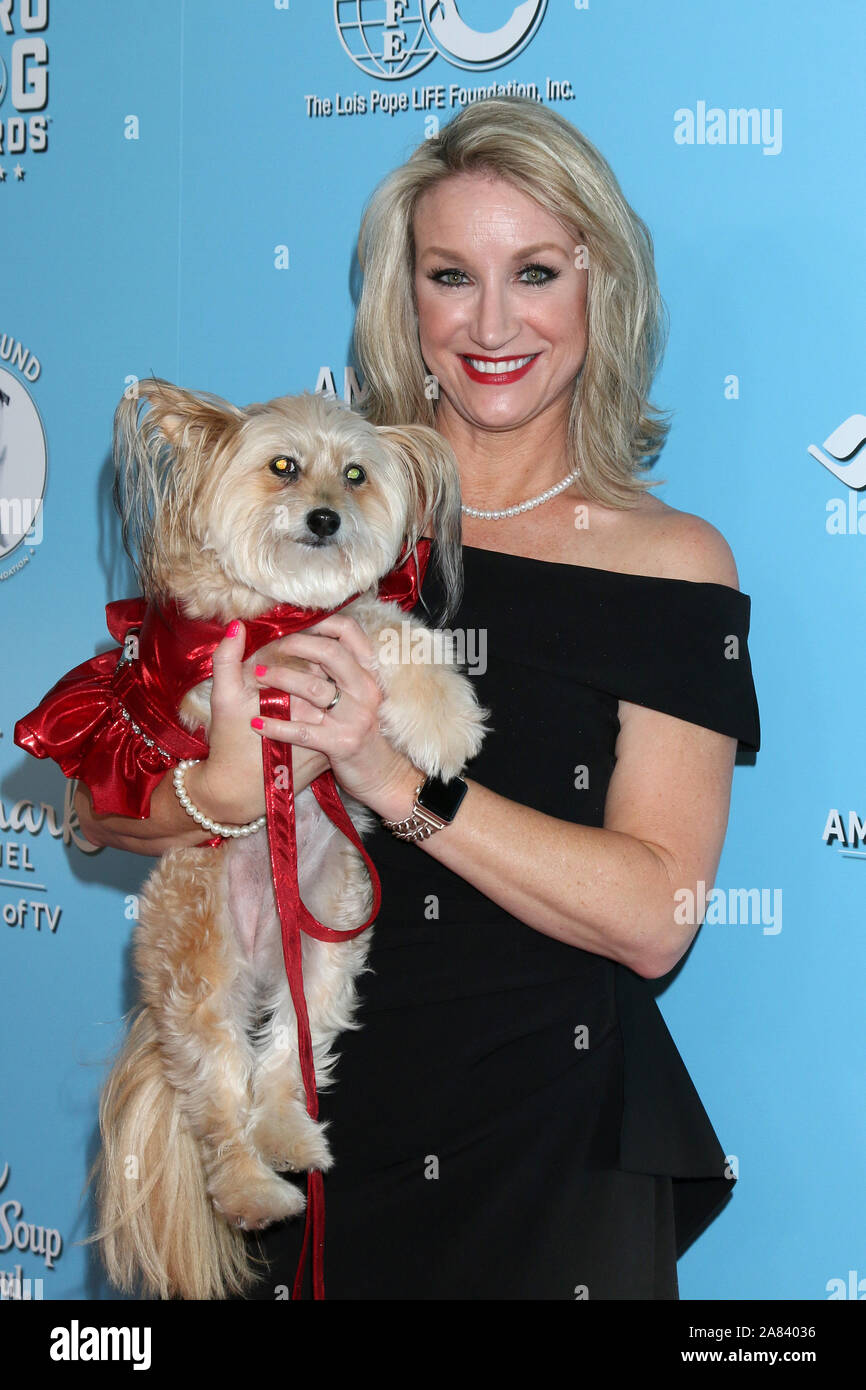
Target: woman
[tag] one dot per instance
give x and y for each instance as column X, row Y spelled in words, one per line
column 513, row 1120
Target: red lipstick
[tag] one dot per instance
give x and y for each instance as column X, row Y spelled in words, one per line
column 497, row 378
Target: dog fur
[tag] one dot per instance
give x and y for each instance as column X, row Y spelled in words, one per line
column 204, row 1107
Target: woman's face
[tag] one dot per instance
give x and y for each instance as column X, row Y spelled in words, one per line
column 501, row 293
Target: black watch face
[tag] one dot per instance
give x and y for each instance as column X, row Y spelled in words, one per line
column 442, row 798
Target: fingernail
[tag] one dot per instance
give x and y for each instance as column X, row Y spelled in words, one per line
column 233, row 628
column 257, row 723
column 261, row 670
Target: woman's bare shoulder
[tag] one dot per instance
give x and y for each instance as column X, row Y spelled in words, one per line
column 679, row 545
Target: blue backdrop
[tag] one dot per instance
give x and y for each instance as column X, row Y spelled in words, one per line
column 180, row 189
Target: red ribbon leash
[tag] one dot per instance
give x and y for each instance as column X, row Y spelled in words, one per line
column 295, row 918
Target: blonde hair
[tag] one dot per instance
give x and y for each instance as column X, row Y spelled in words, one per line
column 613, row 430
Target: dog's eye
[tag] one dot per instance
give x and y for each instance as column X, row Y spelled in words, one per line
column 284, row 466
column 355, row 474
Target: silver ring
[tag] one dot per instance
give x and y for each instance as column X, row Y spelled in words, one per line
column 337, row 693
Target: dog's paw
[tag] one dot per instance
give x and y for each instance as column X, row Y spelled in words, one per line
column 267, row 1200
column 432, row 715
column 292, row 1142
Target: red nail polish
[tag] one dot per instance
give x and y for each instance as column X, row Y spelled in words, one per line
column 261, row 670
column 233, row 629
column 257, row 723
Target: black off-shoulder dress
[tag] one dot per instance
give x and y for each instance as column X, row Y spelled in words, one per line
column 513, row 1119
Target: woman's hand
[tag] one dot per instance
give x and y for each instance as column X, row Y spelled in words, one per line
column 363, row 761
column 229, row 785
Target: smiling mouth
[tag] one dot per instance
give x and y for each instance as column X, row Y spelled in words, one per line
column 497, row 370
column 498, row 366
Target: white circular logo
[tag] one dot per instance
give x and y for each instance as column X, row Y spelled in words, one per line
column 23, row 456
column 391, row 39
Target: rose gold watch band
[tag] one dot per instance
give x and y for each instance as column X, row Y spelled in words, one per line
column 419, row 825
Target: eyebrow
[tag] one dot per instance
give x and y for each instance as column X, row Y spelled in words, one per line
column 520, row 255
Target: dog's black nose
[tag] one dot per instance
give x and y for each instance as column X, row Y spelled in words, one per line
column 323, row 521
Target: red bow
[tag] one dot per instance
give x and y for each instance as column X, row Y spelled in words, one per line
column 112, row 722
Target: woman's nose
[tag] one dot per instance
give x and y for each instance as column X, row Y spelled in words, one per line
column 495, row 320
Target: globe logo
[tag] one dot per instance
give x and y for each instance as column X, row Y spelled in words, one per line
column 391, row 39
column 379, row 49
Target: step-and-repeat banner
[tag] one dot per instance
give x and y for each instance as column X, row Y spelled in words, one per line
column 181, row 184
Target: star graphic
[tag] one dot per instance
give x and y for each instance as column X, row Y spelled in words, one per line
column 18, row 171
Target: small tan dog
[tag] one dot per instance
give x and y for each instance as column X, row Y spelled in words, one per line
column 231, row 512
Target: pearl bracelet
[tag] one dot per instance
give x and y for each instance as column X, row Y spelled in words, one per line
column 227, row 832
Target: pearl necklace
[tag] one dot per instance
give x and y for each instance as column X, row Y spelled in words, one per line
column 524, row 506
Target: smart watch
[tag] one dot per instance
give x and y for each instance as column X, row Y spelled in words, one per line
column 436, row 804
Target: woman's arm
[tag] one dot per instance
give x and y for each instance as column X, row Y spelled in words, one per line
column 608, row 890
column 167, row 826
column 228, row 786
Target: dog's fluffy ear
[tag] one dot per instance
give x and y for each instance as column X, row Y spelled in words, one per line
column 186, row 419
column 159, row 454
column 434, row 482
